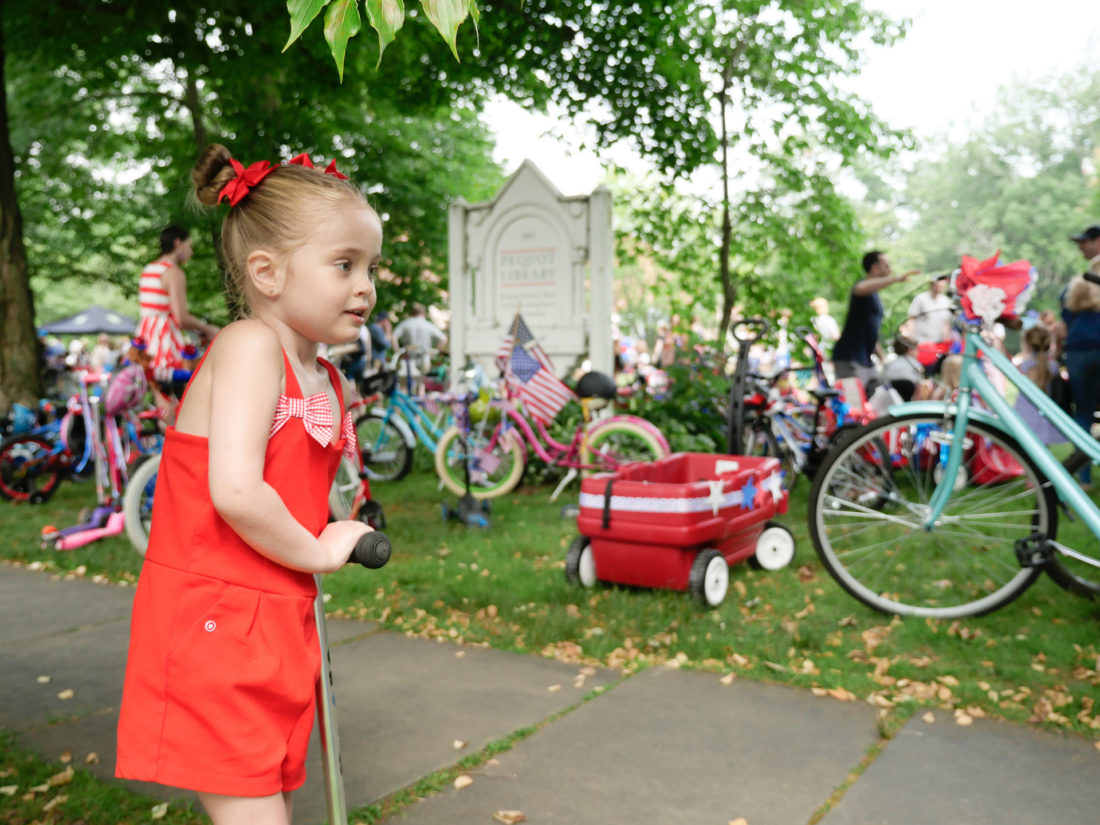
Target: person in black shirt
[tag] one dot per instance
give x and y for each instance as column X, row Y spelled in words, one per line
column 859, row 339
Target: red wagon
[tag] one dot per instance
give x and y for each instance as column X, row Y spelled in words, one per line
column 679, row 522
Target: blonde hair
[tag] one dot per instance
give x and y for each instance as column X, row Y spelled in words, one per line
column 951, row 372
column 276, row 214
column 1037, row 339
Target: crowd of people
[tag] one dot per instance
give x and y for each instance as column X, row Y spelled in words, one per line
column 1053, row 347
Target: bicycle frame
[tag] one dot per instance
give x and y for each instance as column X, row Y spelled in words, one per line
column 1006, row 419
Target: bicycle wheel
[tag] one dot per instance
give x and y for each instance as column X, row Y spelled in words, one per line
column 137, row 502
column 868, row 505
column 493, row 471
column 341, row 496
column 1077, row 576
column 621, row 442
column 759, row 440
column 30, row 468
column 386, row 455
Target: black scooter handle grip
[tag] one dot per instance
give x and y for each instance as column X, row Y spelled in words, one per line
column 372, row 550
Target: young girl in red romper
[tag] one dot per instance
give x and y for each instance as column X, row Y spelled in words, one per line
column 224, row 656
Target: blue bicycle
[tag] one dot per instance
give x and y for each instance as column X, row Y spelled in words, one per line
column 946, row 509
column 388, row 433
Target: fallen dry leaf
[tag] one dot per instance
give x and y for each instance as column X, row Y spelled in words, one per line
column 65, row 758
column 459, row 744
column 739, row 821
column 159, row 811
column 739, row 586
column 91, row 759
column 963, row 719
column 929, row 717
column 463, row 781
column 728, row 678
column 554, row 688
column 53, row 803
column 9, row 790
column 842, row 694
column 509, row 817
column 63, row 778
column 42, row 680
column 65, row 694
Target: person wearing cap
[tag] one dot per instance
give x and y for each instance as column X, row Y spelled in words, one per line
column 859, row 339
column 1081, row 314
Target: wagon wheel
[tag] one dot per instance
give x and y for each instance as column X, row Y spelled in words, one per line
column 709, row 578
column 774, row 547
column 580, row 564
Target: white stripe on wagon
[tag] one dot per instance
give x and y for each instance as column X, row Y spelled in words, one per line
column 695, row 504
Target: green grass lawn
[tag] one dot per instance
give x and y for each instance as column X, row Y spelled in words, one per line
column 1034, row 661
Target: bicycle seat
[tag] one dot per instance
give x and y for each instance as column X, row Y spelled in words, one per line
column 822, row 393
column 596, row 385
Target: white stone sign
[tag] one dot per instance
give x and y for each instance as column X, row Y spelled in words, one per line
column 533, row 250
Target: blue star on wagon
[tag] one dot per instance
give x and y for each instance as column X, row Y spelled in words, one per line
column 748, row 495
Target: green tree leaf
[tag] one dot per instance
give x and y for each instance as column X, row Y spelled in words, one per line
column 386, row 17
column 342, row 22
column 302, row 13
column 447, row 16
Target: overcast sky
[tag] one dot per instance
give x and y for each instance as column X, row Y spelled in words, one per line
column 944, row 74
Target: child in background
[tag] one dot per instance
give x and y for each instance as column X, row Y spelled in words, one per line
column 1040, row 368
column 224, row 655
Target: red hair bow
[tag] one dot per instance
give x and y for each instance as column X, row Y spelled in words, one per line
column 245, row 180
column 303, row 160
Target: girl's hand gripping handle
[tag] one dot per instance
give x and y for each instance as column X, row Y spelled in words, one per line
column 372, row 550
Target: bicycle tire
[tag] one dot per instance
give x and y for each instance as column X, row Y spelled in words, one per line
column 345, row 486
column 137, row 502
column 1071, row 575
column 30, row 468
column 503, row 477
column 759, row 440
column 386, row 455
column 866, row 513
column 621, row 442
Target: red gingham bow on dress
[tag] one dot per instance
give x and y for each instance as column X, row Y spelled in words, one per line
column 316, row 415
column 249, row 178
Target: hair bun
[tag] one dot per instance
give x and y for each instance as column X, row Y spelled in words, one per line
column 211, row 173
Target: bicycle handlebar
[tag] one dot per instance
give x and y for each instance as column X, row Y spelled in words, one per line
column 372, row 550
column 752, row 323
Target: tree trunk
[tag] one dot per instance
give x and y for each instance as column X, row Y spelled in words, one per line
column 20, row 351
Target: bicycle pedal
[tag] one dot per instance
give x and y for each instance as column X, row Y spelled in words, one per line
column 1034, row 551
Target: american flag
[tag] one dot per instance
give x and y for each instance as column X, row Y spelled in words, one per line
column 529, row 371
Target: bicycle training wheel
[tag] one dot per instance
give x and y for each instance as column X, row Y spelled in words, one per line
column 1073, row 575
column 870, row 498
column 30, row 468
column 496, row 462
column 386, row 455
column 137, row 502
column 622, row 442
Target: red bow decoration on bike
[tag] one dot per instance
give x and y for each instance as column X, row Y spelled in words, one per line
column 316, row 415
column 245, row 180
column 303, row 160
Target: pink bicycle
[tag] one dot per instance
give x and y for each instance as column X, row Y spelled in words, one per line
column 492, row 450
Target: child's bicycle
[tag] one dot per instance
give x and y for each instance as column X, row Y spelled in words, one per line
column 493, row 449
column 800, row 435
column 944, row 509
column 388, row 433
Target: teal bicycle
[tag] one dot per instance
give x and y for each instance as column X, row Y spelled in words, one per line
column 388, row 432
column 947, row 509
